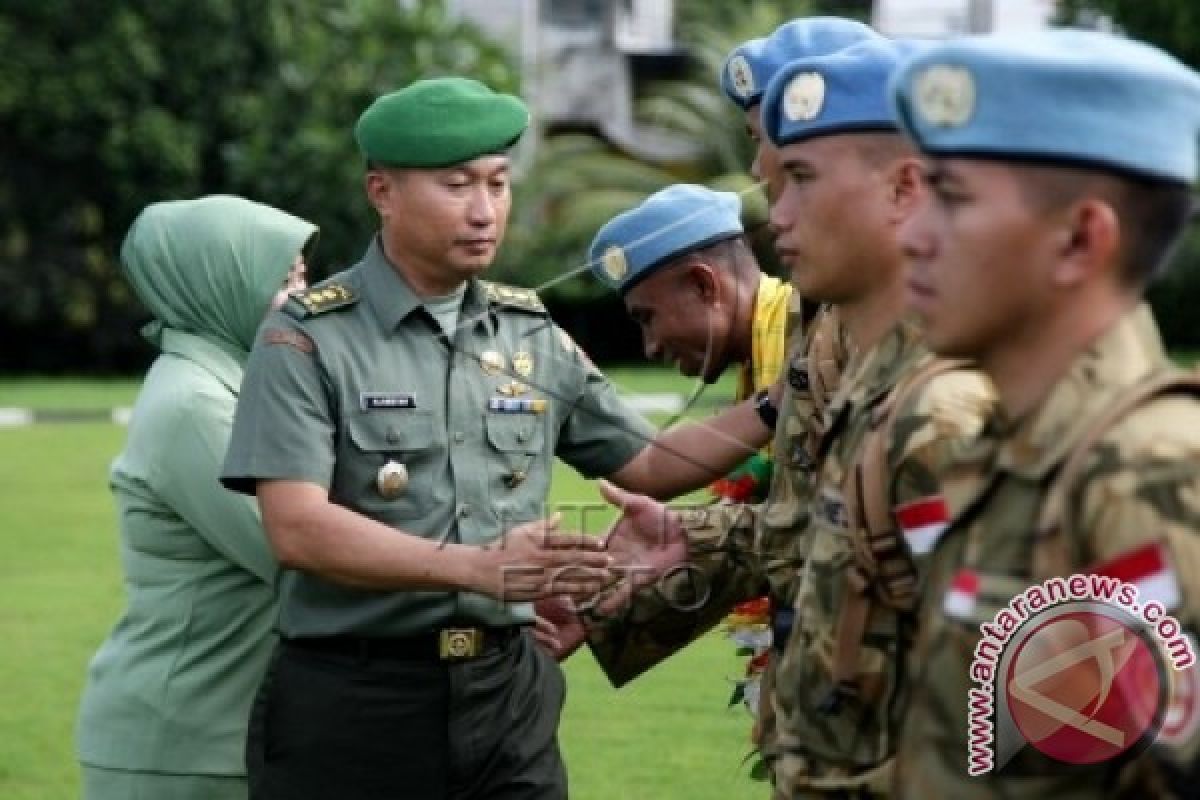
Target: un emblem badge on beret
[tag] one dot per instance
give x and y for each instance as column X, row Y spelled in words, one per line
column 944, row 95
column 740, row 75
column 804, row 97
column 615, row 266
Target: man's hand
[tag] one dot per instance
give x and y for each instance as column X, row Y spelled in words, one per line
column 536, row 560
column 646, row 541
column 558, row 627
column 647, row 536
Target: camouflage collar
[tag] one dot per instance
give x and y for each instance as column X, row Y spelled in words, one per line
column 875, row 372
column 1123, row 355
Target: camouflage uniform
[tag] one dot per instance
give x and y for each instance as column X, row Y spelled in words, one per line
column 1140, row 484
column 815, row 752
column 850, row 743
column 737, row 552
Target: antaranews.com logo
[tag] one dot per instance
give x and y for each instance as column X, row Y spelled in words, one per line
column 1083, row 669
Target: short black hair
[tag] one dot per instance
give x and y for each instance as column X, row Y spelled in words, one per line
column 1152, row 213
column 734, row 253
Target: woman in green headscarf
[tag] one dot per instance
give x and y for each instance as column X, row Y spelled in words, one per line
column 168, row 694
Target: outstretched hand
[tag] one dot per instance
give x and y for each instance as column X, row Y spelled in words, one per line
column 648, row 534
column 645, row 542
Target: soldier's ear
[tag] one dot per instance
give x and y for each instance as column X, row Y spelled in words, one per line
column 380, row 183
column 905, row 188
column 1088, row 242
column 702, row 279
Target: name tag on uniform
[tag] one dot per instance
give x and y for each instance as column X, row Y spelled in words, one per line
column 516, row 405
column 384, row 401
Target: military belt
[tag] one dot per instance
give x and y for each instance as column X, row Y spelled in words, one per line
column 445, row 644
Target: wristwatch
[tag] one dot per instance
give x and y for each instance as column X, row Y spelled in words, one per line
column 767, row 411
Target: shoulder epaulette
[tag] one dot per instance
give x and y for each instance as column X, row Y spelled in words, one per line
column 513, row 297
column 319, row 299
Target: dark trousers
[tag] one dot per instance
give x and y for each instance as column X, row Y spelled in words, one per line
column 332, row 726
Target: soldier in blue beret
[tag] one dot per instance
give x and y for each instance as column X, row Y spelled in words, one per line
column 703, row 335
column 398, row 422
column 1060, row 174
column 751, row 66
column 688, row 278
column 839, row 680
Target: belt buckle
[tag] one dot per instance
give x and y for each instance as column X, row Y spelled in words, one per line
column 455, row 644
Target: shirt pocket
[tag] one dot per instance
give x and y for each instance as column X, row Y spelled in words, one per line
column 518, row 472
column 373, row 440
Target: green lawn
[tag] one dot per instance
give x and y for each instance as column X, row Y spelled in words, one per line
column 668, row 735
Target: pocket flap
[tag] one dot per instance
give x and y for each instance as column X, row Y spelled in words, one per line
column 520, row 433
column 391, row 430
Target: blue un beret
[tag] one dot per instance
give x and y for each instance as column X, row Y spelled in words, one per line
column 668, row 224
column 1065, row 96
column 750, row 67
column 842, row 92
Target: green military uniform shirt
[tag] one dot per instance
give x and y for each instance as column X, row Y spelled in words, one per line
column 1141, row 484
column 355, row 375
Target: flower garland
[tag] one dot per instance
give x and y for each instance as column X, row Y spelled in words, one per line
column 749, row 624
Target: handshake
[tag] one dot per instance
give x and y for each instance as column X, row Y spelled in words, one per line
column 569, row 574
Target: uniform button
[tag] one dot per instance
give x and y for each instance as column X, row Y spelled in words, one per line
column 522, row 436
column 392, row 436
column 459, row 437
column 464, row 511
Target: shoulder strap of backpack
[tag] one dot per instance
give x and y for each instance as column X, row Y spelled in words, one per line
column 1051, row 550
column 881, row 569
column 826, row 358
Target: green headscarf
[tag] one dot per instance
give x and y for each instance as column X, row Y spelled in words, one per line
column 210, row 266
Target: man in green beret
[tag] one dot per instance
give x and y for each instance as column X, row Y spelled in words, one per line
column 398, row 424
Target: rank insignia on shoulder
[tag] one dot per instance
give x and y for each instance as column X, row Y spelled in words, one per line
column 328, row 297
column 384, row 401
column 513, row 297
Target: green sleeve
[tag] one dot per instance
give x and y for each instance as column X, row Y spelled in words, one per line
column 601, row 433
column 285, row 422
column 185, row 477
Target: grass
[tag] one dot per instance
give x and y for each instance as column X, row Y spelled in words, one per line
column 667, row 735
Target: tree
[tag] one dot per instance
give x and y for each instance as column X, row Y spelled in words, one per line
column 1173, row 25
column 580, row 182
column 105, row 107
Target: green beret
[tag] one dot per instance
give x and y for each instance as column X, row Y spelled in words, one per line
column 439, row 122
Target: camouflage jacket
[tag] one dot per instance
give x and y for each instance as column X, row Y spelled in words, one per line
column 737, row 552
column 1140, row 486
column 851, row 745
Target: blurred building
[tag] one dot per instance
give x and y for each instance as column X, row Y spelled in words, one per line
column 584, row 64
column 941, row 18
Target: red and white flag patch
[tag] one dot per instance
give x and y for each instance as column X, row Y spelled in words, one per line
column 963, row 594
column 923, row 522
column 1182, row 719
column 1149, row 569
